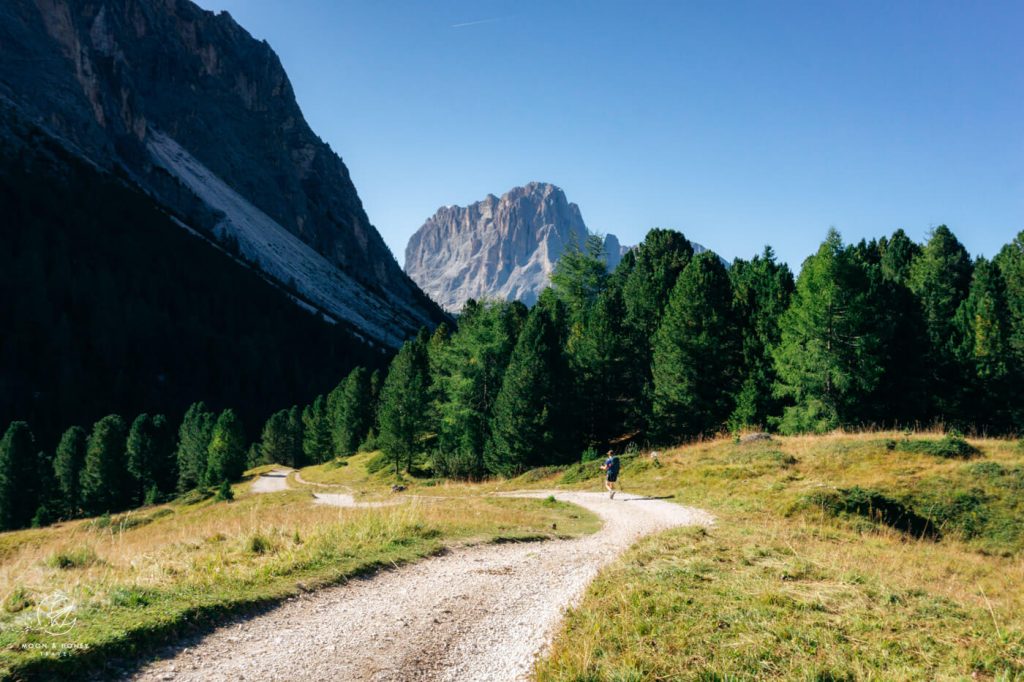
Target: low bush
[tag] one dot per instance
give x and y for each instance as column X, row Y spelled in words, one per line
column 876, row 506
column 948, row 447
column 79, row 557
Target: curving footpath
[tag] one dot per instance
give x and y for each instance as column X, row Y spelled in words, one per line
column 480, row 613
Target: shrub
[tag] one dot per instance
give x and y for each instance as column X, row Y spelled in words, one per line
column 80, row 557
column 224, row 492
column 951, row 446
column 877, row 506
column 589, row 455
column 18, row 600
column 260, row 544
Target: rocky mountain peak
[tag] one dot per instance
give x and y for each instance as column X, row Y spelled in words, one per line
column 497, row 247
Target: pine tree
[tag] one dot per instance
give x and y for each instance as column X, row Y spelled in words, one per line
column 151, row 459
column 469, row 374
column 696, row 352
column 940, row 277
column 762, row 289
column 165, row 463
column 281, row 440
column 646, row 277
column 982, row 345
column 18, row 477
column 226, row 452
column 580, row 275
column 602, row 405
column 403, row 404
column 106, row 484
column 67, row 468
column 317, row 444
column 193, row 442
column 349, row 407
column 529, row 424
column 1011, row 265
column 829, row 357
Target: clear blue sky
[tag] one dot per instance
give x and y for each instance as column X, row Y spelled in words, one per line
column 739, row 123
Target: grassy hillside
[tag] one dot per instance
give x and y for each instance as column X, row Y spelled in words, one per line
column 843, row 557
column 148, row 576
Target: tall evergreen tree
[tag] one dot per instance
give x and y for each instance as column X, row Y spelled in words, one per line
column 580, row 275
column 193, row 442
column 983, row 347
column 281, row 439
column 349, row 405
column 225, row 458
column 67, row 468
column 646, row 277
column 106, row 484
column 150, row 457
column 940, row 277
column 603, row 407
column 762, row 289
column 1011, row 265
column 468, row 380
column 696, row 352
column 828, row 358
column 529, row 424
column 403, row 404
column 19, row 494
column 317, row 443
column 897, row 255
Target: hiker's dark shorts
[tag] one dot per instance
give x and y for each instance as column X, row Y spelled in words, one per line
column 611, row 478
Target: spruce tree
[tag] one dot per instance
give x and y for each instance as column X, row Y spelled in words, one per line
column 940, row 277
column 646, row 277
column 193, row 443
column 281, row 439
column 696, row 352
column 67, row 468
column 1011, row 265
column 165, row 462
column 19, row 494
column 829, row 358
column 529, row 424
column 762, row 289
column 106, row 483
column 317, row 444
column 146, row 459
column 349, row 406
column 580, row 275
column 226, row 452
column 403, row 404
column 469, row 374
column 602, row 405
column 982, row 345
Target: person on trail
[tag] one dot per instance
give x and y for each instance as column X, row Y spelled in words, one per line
column 611, row 473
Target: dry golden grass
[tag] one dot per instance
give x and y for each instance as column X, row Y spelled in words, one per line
column 783, row 589
column 140, row 576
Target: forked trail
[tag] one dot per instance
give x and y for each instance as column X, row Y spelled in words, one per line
column 480, row 613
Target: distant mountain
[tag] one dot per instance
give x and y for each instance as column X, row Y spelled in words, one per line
column 186, row 105
column 499, row 247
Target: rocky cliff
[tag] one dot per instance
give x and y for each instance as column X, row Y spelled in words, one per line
column 497, row 248
column 188, row 106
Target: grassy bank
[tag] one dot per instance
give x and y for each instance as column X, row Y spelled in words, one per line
column 845, row 557
column 146, row 577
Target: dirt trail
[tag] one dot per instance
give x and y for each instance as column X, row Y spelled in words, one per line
column 480, row 613
column 271, row 481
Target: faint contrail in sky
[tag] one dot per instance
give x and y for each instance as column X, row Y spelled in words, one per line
column 479, row 21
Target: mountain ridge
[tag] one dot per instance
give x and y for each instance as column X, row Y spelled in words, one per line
column 124, row 81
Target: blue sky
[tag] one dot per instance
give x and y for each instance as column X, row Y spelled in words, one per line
column 739, row 123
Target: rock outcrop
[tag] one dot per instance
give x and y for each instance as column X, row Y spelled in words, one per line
column 187, row 105
column 502, row 248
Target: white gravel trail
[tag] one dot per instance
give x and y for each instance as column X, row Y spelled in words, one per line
column 271, row 482
column 480, row 613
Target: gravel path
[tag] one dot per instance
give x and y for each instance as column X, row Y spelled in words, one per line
column 480, row 613
column 271, row 482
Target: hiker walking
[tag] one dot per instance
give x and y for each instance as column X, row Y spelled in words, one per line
column 611, row 473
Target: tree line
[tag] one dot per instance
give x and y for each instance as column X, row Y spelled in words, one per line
column 671, row 345
column 674, row 345
column 116, row 466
